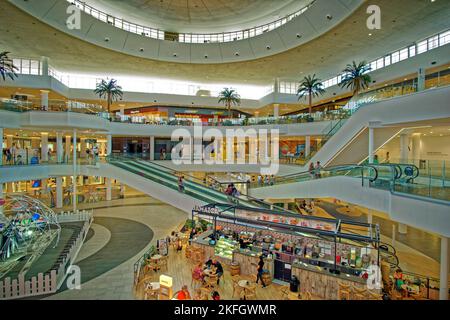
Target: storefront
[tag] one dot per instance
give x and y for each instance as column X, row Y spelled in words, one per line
column 291, row 244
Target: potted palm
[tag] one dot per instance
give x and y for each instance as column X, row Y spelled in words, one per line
column 109, row 90
column 230, row 98
column 311, row 87
column 355, row 77
column 7, row 67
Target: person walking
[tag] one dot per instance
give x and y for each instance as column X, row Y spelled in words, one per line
column 181, row 184
column 311, row 170
column 260, row 271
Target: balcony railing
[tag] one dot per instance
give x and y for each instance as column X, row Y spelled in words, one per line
column 186, row 37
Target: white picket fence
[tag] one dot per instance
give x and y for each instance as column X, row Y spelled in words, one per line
column 49, row 283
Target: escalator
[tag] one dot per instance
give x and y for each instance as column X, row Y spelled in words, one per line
column 193, row 187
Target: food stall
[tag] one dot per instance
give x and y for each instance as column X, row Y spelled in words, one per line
column 314, row 249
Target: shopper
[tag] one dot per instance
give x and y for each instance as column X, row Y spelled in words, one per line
column 311, row 170
column 181, row 184
column 317, row 170
column 260, row 271
column 184, row 294
column 215, row 295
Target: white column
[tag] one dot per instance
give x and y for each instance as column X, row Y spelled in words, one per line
column 443, row 280
column 44, row 146
column 369, row 220
column 67, row 155
column 402, row 228
column 415, row 148
column 74, row 174
column 307, row 146
column 59, row 147
column 44, row 66
column 44, row 100
column 421, row 79
column 108, row 189
column 152, row 148
column 371, row 145
column 276, row 110
column 276, row 86
column 404, row 148
column 108, row 144
column 59, row 192
column 1, row 146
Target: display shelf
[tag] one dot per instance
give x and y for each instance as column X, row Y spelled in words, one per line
column 225, row 247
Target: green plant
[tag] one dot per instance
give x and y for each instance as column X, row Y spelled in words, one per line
column 311, row 87
column 230, row 98
column 189, row 224
column 356, row 77
column 109, row 90
column 7, row 67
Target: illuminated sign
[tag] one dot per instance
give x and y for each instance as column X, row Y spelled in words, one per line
column 206, row 210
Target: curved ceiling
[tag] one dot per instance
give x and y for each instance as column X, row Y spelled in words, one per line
column 199, row 16
column 404, row 21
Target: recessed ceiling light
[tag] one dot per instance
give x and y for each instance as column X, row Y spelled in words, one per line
column 236, row 54
column 431, row 132
column 370, row 34
column 175, row 55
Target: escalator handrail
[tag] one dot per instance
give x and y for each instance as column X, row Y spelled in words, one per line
column 172, row 171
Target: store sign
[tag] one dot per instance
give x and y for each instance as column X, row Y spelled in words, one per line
column 206, row 210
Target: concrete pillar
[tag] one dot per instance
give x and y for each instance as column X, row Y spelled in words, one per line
column 307, row 146
column 421, row 79
column 108, row 183
column 108, row 144
column 44, row 66
column 59, row 147
column 44, row 100
column 152, row 148
column 416, row 148
column 443, row 279
column 44, row 147
column 1, row 146
column 404, row 148
column 67, row 149
column 59, row 192
column 402, row 228
column 276, row 110
column 74, row 174
column 371, row 145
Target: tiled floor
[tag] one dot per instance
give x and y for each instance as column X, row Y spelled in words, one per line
column 138, row 214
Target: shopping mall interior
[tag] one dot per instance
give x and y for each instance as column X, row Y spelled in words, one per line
column 232, row 150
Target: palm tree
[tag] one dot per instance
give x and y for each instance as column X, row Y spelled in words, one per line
column 355, row 77
column 109, row 90
column 229, row 97
column 311, row 87
column 7, row 68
